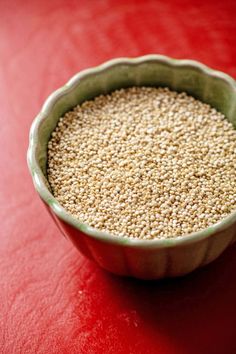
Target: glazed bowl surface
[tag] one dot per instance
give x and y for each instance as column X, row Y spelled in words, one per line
column 145, row 259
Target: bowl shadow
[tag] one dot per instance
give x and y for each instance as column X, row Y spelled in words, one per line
column 196, row 312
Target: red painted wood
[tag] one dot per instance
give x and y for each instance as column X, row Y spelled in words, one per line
column 52, row 299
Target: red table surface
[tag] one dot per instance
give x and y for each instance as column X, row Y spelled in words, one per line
column 52, row 299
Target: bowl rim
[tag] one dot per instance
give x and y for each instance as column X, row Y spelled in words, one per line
column 40, row 182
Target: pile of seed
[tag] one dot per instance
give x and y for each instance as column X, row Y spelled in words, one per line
column 144, row 162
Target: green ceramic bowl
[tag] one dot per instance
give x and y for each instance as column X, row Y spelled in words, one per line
column 146, row 259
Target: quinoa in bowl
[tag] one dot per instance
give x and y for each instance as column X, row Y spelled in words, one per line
column 144, row 162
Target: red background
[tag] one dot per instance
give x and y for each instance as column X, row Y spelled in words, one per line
column 53, row 300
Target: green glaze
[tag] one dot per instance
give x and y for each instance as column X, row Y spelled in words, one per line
column 210, row 86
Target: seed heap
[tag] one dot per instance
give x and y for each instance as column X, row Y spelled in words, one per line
column 144, row 162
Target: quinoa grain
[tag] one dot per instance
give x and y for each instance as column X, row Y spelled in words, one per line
column 144, row 162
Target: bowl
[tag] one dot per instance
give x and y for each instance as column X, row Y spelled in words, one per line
column 145, row 259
